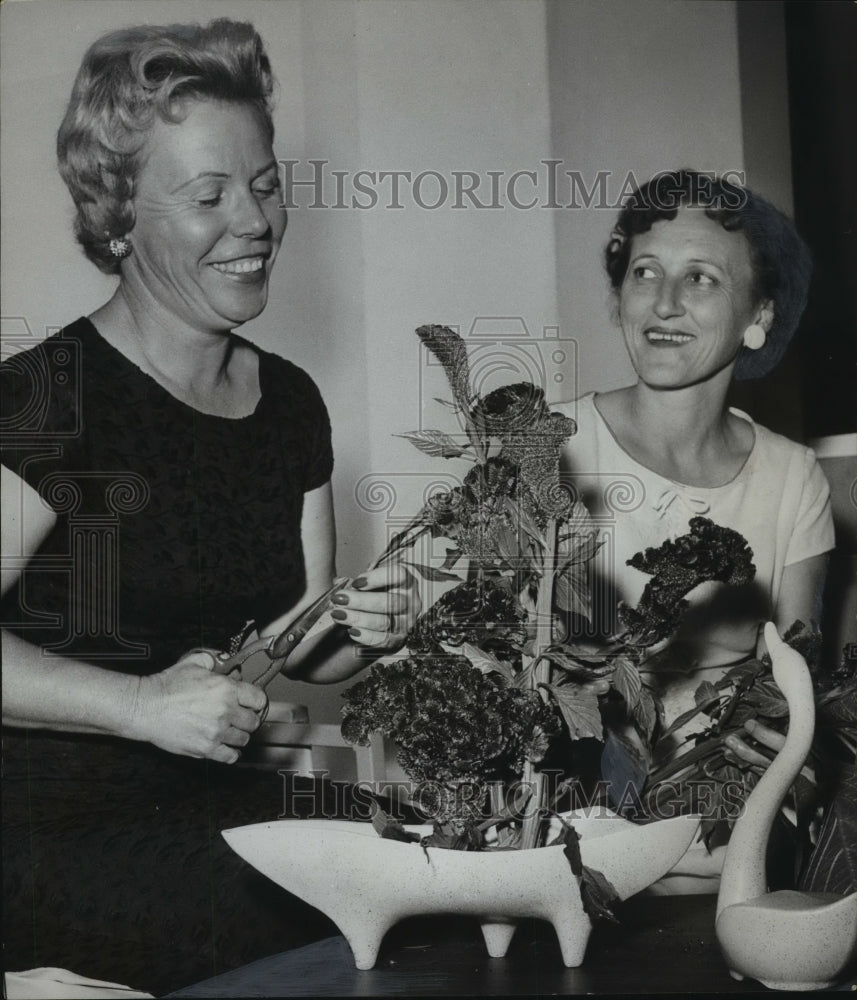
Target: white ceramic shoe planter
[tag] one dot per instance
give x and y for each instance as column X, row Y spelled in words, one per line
column 366, row 884
column 786, row 940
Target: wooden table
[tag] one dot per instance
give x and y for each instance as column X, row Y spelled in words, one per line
column 666, row 944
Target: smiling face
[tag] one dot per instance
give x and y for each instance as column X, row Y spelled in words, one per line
column 687, row 299
column 207, row 226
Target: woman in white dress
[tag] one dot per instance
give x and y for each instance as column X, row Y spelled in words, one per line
column 710, row 281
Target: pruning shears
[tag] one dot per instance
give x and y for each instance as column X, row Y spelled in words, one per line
column 267, row 656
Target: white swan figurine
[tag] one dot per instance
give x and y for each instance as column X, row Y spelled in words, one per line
column 786, row 940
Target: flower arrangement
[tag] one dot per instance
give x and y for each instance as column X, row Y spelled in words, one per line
column 496, row 693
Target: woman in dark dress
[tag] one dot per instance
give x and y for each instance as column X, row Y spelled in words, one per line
column 165, row 483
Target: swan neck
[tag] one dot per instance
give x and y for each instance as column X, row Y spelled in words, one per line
column 743, row 876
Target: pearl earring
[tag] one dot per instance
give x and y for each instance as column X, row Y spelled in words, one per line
column 120, row 248
column 754, row 337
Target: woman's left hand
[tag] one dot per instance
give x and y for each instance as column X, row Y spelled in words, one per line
column 766, row 738
column 379, row 608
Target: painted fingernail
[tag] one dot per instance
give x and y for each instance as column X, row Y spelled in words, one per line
column 354, row 632
column 340, row 598
column 359, row 583
column 338, row 615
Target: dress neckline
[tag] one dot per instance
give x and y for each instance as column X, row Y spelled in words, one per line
column 675, row 482
column 136, row 371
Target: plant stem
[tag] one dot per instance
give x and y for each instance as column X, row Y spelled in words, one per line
column 541, row 675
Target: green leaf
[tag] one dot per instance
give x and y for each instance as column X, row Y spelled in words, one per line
column 833, row 864
column 507, row 543
column 390, row 829
column 529, row 525
column 682, row 720
column 571, row 592
column 570, row 839
column 645, row 714
column 580, row 710
column 586, row 652
column 524, row 679
column 579, row 520
column 625, row 769
column 564, row 662
column 406, row 538
column 578, row 548
column 452, row 557
column 769, row 703
column 431, row 572
column 434, row 443
column 485, row 661
column 599, row 896
column 627, row 681
column 705, row 694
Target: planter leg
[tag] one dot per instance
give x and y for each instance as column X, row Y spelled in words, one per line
column 573, row 936
column 498, row 934
column 365, row 941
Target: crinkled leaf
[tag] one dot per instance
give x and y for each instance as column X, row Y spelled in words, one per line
column 627, row 681
column 450, row 350
column 598, row 895
column 434, row 443
column 580, row 710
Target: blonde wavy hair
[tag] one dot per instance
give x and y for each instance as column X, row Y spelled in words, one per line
column 126, row 79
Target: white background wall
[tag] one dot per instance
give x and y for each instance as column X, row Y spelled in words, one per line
column 483, row 85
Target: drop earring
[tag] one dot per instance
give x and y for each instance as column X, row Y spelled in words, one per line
column 754, row 337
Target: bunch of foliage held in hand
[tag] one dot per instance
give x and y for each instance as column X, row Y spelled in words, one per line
column 495, row 684
column 726, row 759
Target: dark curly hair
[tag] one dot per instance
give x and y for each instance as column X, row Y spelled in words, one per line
column 781, row 262
column 126, row 79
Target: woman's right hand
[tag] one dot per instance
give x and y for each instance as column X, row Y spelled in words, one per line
column 187, row 709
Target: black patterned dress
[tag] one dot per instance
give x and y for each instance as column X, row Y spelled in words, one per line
column 174, row 528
